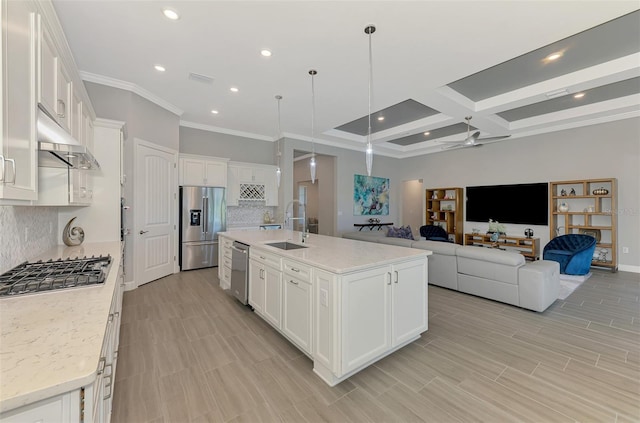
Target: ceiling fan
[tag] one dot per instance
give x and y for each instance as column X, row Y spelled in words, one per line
column 472, row 140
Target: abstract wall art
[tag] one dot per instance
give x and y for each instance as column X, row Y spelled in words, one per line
column 370, row 196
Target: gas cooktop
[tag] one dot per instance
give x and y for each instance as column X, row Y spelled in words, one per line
column 52, row 275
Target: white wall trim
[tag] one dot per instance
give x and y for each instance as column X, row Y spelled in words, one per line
column 629, row 268
column 129, row 86
column 108, row 123
column 210, row 128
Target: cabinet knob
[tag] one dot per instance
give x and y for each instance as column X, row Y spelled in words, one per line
column 293, row 282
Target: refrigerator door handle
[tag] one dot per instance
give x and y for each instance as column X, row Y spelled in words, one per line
column 205, row 206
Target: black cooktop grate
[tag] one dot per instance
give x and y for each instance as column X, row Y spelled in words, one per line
column 42, row 276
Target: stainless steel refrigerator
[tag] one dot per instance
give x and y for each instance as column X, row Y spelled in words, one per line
column 203, row 213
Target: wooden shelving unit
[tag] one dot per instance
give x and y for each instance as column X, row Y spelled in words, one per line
column 528, row 247
column 445, row 209
column 587, row 213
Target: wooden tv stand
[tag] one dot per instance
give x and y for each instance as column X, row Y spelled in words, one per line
column 528, row 247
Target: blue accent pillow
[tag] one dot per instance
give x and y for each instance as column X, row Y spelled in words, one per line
column 401, row 232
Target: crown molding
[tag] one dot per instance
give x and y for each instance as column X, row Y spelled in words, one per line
column 129, row 86
column 109, row 123
column 219, row 130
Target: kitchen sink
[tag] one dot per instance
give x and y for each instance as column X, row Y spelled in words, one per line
column 286, row 245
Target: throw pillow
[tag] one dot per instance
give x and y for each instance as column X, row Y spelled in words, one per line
column 408, row 233
column 401, row 232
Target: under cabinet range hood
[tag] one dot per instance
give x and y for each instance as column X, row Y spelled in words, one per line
column 57, row 148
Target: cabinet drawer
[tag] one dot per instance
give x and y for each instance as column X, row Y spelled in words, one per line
column 226, row 261
column 300, row 271
column 266, row 258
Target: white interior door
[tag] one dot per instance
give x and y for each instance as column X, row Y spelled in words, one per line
column 154, row 212
column 412, row 205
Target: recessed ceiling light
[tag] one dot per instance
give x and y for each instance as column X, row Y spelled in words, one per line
column 159, row 68
column 233, row 89
column 265, row 52
column 171, row 14
column 554, row 56
column 215, row 112
column 426, row 134
column 579, row 95
column 381, row 118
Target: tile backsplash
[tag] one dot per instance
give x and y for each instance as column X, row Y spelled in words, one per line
column 41, row 225
column 248, row 215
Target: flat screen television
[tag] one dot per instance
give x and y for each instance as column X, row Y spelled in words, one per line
column 525, row 204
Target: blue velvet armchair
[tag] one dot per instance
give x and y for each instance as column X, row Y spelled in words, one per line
column 434, row 233
column 573, row 251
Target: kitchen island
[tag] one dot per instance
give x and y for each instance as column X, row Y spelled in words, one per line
column 58, row 348
column 345, row 303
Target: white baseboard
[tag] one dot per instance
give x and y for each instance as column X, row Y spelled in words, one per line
column 629, row 268
column 130, row 285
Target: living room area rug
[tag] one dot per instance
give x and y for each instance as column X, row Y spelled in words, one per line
column 568, row 284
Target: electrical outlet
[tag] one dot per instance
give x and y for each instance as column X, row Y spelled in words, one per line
column 625, row 250
column 324, row 297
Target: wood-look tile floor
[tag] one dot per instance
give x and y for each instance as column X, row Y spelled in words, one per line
column 190, row 353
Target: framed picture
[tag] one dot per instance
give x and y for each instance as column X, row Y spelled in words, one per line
column 592, row 232
column 370, row 196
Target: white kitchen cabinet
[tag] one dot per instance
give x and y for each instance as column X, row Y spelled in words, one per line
column 77, row 119
column 201, row 171
column 64, row 96
column 298, row 305
column 224, row 262
column 256, row 285
column 47, row 71
column 18, row 143
column 265, row 286
column 88, row 134
column 409, row 301
column 251, row 182
column 55, row 86
column 381, row 308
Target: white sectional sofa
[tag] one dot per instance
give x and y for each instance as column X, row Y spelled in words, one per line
column 495, row 274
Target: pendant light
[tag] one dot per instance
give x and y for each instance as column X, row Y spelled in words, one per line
column 312, row 162
column 368, row 155
column 279, row 136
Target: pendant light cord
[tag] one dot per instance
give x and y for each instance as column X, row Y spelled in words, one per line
column 370, row 83
column 313, row 110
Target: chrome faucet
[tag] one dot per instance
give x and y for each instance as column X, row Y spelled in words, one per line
column 288, row 220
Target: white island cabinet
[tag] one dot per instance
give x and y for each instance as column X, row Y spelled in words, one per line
column 342, row 308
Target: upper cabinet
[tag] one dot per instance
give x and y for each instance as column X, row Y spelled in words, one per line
column 203, row 171
column 18, row 144
column 37, row 71
column 249, row 182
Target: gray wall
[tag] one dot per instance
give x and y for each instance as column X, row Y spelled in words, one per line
column 239, row 149
column 144, row 120
column 608, row 150
column 347, row 164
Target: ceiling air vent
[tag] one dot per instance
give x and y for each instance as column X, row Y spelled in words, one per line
column 200, row 78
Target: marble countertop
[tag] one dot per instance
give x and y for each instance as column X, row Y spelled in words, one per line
column 50, row 343
column 333, row 254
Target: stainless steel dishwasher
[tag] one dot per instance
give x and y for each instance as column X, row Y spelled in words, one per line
column 240, row 271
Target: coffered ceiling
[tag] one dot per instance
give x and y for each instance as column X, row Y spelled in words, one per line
column 434, row 63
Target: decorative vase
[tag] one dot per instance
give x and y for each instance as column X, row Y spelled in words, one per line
column 563, row 207
column 72, row 236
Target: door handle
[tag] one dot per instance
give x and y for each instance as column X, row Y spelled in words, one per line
column 143, row 232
